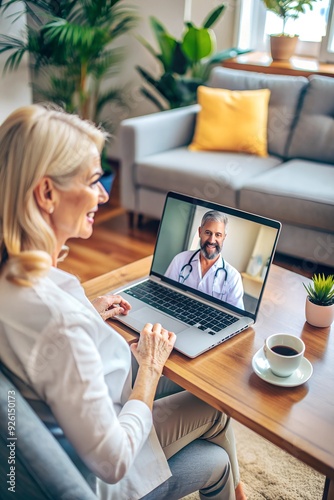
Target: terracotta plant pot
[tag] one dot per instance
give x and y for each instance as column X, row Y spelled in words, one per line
column 320, row 316
column 282, row 47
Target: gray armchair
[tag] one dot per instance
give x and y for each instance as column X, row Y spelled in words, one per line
column 42, row 468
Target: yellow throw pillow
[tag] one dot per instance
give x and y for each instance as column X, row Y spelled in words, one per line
column 232, row 120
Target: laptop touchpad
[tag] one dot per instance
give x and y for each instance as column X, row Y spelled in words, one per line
column 147, row 315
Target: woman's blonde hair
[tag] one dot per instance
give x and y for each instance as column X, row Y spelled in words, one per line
column 36, row 141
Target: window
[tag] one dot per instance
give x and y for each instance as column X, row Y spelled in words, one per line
column 327, row 44
column 315, row 28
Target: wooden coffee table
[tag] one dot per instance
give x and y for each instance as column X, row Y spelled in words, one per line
column 300, row 420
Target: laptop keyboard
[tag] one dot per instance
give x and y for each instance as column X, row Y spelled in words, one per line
column 179, row 306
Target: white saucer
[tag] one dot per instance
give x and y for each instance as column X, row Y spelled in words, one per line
column 261, row 368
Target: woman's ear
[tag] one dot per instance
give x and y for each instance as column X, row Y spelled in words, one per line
column 44, row 195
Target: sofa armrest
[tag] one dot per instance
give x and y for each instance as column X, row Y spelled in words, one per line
column 147, row 135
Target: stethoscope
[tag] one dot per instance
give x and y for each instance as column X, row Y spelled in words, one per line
column 184, row 275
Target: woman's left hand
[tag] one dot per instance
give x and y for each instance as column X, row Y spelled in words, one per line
column 109, row 306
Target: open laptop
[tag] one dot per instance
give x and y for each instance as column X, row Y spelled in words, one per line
column 228, row 299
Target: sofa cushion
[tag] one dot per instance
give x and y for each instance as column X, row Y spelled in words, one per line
column 285, row 92
column 204, row 174
column 313, row 135
column 298, row 192
column 231, row 120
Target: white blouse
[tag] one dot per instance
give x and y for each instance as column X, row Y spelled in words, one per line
column 222, row 280
column 77, row 371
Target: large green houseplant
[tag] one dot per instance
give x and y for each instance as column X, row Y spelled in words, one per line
column 71, row 47
column 282, row 44
column 185, row 63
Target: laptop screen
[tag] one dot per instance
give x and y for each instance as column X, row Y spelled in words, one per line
column 216, row 252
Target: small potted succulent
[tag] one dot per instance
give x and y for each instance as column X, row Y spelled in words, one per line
column 319, row 308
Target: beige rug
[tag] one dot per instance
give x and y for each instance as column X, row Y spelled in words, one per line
column 268, row 473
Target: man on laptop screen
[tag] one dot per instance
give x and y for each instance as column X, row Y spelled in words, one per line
column 193, row 290
column 205, row 268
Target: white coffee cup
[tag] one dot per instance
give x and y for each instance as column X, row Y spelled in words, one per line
column 284, row 353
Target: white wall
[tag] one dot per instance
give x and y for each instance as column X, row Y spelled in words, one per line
column 15, row 90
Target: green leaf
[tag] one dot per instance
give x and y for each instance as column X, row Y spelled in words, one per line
column 17, row 48
column 147, row 76
column 157, row 27
column 288, row 8
column 198, row 43
column 107, row 63
column 151, row 97
column 166, row 43
column 180, row 62
column 111, row 95
column 213, row 16
column 147, row 45
column 13, row 61
column 178, row 91
column 321, row 289
column 204, row 71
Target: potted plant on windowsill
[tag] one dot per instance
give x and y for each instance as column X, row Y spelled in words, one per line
column 283, row 45
column 319, row 306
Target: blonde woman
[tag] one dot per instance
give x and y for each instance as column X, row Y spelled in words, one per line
column 69, row 364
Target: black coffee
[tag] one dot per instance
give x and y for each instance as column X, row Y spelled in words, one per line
column 284, row 350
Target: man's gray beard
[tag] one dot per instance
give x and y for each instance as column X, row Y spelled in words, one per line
column 210, row 256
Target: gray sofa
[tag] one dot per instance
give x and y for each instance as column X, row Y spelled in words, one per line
column 294, row 184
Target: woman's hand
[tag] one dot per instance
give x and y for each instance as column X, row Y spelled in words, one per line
column 154, row 346
column 109, row 306
column 151, row 351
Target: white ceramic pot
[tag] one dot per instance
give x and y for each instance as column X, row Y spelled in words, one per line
column 320, row 316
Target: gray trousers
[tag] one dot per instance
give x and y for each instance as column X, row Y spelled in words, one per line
column 197, row 440
column 199, row 444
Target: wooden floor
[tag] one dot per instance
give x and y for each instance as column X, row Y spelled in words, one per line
column 114, row 244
